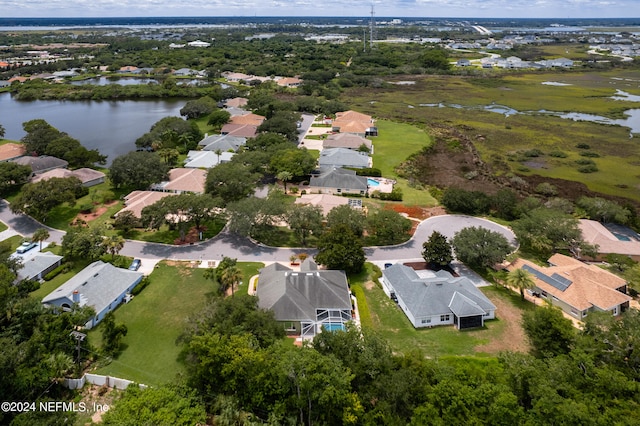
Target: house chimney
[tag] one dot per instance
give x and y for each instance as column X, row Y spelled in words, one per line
column 76, row 296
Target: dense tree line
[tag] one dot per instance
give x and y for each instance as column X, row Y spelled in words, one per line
column 237, row 363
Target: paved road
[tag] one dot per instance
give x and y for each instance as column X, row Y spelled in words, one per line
column 243, row 249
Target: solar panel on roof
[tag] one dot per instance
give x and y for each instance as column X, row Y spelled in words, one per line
column 555, row 280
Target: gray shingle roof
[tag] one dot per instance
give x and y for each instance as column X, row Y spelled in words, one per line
column 222, row 142
column 295, row 296
column 440, row 294
column 37, row 264
column 343, row 157
column 99, row 284
column 340, row 178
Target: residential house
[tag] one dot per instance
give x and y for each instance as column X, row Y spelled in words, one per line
column 198, row 43
column 463, row 63
column 289, row 82
column 88, row 177
column 239, row 130
column 348, row 141
column 305, row 301
column 436, row 298
column 328, row 201
column 354, row 122
column 338, row 181
column 128, row 69
column 250, row 119
column 236, row 76
column 236, row 103
column 41, row 164
column 39, row 265
column 342, row 157
column 100, row 285
column 137, row 200
column 576, row 287
column 611, row 239
column 206, row 159
column 186, row 72
column 183, row 180
column 223, row 143
column 10, row 151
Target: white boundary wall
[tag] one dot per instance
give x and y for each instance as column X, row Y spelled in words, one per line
column 99, row 380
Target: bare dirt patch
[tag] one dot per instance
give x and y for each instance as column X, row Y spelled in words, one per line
column 99, row 211
column 512, row 337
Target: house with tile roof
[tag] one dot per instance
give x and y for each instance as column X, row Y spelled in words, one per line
column 236, row 103
column 137, row 200
column 338, row 181
column 611, row 239
column 327, row 202
column 305, row 301
column 183, row 180
column 430, row 298
column 354, row 122
column 100, row 285
column 577, row 287
column 10, row 151
column 348, row 141
column 239, row 130
column 88, row 177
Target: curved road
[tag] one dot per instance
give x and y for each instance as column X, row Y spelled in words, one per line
column 243, row 249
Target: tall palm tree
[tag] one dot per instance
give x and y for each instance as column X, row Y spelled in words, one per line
column 230, row 277
column 113, row 244
column 40, row 235
column 520, row 279
column 218, row 152
column 285, row 176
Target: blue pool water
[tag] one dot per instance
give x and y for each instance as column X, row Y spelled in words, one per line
column 334, row 327
column 372, row 182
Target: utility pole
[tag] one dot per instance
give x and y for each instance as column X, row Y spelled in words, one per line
column 372, row 26
column 79, row 338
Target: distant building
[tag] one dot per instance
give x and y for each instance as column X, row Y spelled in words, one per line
column 41, row 164
column 88, row 177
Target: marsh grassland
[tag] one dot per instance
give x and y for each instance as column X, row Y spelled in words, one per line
column 531, row 142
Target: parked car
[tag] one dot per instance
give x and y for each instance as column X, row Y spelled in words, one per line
column 26, row 246
column 135, row 265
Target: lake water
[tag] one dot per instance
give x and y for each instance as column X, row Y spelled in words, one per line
column 112, row 127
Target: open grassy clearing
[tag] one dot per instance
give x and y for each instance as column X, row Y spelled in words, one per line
column 503, row 333
column 495, row 135
column 155, row 319
column 396, row 141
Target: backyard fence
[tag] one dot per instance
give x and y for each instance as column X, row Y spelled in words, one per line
column 99, row 380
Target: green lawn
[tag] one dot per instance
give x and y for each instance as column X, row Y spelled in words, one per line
column 155, row 319
column 396, row 142
column 388, row 319
column 3, row 227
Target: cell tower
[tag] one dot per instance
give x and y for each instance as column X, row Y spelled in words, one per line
column 372, row 27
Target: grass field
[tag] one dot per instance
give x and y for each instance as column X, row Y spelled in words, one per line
column 155, row 319
column 384, row 316
column 396, row 141
column 495, row 135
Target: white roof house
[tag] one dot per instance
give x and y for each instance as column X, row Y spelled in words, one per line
column 436, row 298
column 100, row 285
column 206, row 159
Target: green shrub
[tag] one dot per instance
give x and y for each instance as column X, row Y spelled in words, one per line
column 590, row 168
column 51, row 275
column 590, row 154
column 141, row 286
column 394, row 195
column 370, row 171
column 533, row 153
column 583, row 146
column 558, row 154
column 585, row 162
column 546, row 189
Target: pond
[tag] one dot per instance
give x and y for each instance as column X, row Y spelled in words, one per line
column 111, row 127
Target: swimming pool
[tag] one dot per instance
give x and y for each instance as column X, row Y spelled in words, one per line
column 333, row 326
column 372, row 182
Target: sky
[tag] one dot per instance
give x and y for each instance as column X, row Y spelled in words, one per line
column 390, row 8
